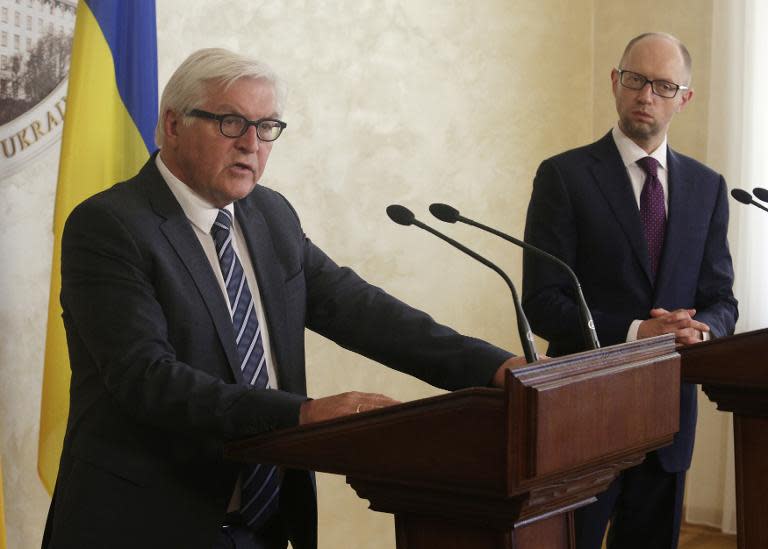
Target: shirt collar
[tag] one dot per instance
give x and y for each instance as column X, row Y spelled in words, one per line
column 631, row 152
column 198, row 210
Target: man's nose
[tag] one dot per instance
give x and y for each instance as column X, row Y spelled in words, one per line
column 646, row 92
column 249, row 141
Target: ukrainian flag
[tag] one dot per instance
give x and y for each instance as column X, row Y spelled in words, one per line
column 108, row 135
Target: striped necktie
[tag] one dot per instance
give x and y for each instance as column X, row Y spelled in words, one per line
column 261, row 483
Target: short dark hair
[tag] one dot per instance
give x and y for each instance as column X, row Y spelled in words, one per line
column 683, row 50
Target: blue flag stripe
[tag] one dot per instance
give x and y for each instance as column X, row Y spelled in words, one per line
column 130, row 29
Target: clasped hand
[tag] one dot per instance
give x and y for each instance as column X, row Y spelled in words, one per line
column 679, row 322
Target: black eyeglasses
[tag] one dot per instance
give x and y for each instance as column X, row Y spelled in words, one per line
column 636, row 81
column 234, row 125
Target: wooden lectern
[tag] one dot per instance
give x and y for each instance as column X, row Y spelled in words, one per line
column 493, row 468
column 733, row 372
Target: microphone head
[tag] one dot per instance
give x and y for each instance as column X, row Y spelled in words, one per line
column 761, row 193
column 444, row 212
column 742, row 196
column 400, row 214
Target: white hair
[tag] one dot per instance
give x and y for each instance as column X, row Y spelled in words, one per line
column 186, row 88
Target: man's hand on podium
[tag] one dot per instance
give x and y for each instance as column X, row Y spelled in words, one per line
column 343, row 404
column 509, row 364
column 354, row 402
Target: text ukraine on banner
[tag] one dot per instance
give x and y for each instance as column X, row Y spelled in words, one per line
column 108, row 135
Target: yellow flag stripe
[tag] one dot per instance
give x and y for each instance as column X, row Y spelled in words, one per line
column 100, row 146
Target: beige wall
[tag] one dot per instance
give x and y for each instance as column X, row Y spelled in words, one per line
column 391, row 101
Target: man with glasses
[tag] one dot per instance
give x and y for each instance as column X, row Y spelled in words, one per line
column 644, row 227
column 186, row 292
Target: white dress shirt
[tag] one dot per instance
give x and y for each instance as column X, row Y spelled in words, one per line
column 201, row 215
column 630, row 153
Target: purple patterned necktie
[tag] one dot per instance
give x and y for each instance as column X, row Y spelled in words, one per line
column 652, row 210
column 261, row 483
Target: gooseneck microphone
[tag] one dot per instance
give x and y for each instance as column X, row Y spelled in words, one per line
column 403, row 216
column 446, row 213
column 746, row 198
column 761, row 193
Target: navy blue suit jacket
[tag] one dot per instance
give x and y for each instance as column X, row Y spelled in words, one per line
column 156, row 389
column 583, row 211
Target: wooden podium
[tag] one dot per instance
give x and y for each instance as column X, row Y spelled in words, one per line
column 493, row 468
column 733, row 372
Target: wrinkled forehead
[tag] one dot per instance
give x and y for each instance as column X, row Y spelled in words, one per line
column 246, row 92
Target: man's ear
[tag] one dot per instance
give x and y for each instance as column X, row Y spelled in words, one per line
column 171, row 123
column 684, row 100
column 614, row 81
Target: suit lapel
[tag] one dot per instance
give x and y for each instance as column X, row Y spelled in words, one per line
column 182, row 238
column 679, row 186
column 612, row 180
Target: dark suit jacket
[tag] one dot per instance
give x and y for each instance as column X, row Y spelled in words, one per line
column 156, row 390
column 583, row 211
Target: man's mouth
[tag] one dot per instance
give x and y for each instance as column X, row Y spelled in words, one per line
column 643, row 115
column 242, row 166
